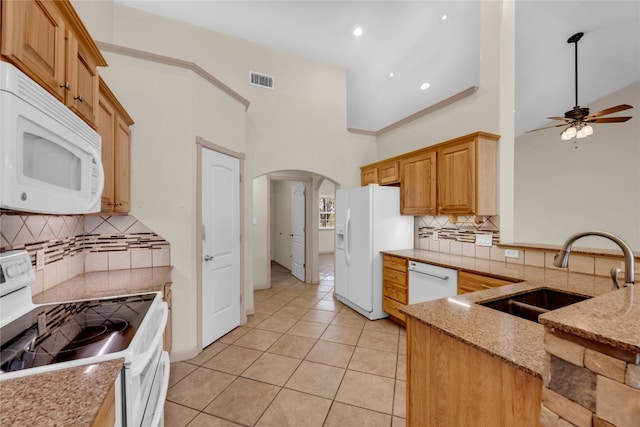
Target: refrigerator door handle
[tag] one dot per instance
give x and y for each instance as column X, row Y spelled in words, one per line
column 347, row 238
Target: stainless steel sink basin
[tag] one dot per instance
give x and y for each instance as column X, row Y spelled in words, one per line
column 530, row 305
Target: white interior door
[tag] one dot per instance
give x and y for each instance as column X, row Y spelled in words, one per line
column 220, row 245
column 297, row 231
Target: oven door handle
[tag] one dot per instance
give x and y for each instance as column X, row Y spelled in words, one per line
column 164, row 364
column 143, row 359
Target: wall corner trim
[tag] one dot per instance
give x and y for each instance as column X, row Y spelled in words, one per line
column 168, row 60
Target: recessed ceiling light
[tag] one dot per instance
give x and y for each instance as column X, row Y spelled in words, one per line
column 357, row 31
column 444, row 17
column 424, row 86
column 391, row 74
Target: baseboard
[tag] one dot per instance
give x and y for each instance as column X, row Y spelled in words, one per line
column 179, row 356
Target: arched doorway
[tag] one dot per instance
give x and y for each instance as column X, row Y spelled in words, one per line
column 272, row 223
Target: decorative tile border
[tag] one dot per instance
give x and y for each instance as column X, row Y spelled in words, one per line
column 464, row 230
column 62, row 237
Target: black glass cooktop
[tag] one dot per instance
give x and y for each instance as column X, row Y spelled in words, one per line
column 62, row 332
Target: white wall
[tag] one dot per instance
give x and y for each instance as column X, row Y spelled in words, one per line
column 261, row 249
column 561, row 190
column 299, row 125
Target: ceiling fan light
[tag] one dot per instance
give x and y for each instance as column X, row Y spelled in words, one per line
column 565, row 136
column 570, row 132
column 587, row 130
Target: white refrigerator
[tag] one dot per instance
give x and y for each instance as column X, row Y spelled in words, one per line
column 368, row 221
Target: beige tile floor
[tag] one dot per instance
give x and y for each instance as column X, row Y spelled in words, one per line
column 303, row 360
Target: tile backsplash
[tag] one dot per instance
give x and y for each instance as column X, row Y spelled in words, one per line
column 76, row 244
column 464, row 229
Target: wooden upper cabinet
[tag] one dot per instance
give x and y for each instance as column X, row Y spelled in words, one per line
column 106, row 122
column 33, row 39
column 457, row 179
column 368, row 175
column 47, row 41
column 389, row 173
column 82, row 94
column 382, row 173
column 113, row 124
column 418, row 183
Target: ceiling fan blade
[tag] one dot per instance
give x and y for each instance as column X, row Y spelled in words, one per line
column 608, row 120
column 560, row 118
column 546, row 127
column 611, row 110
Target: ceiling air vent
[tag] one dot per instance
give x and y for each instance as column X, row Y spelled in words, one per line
column 262, row 80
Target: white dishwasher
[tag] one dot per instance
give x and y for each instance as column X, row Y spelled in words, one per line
column 428, row 282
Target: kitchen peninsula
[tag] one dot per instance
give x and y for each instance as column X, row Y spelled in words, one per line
column 473, row 364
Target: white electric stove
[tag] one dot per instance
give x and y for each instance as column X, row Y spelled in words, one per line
column 47, row 337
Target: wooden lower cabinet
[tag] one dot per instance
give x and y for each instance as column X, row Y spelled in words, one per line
column 107, row 413
column 472, row 282
column 394, row 286
column 450, row 383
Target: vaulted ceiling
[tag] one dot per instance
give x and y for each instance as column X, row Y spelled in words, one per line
column 436, row 42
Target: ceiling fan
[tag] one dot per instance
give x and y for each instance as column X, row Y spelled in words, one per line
column 578, row 119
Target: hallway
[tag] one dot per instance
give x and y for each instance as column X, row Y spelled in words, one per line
column 303, row 360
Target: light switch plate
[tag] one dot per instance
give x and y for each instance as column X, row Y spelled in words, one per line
column 484, row 240
column 434, row 236
column 511, row 253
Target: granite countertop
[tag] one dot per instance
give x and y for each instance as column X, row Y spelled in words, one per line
column 100, row 284
column 70, row 396
column 519, row 341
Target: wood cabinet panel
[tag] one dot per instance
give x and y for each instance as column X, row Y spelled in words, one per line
column 382, row 173
column 395, row 291
column 388, row 173
column 394, row 262
column 394, row 286
column 113, row 124
column 418, row 184
column 107, row 413
column 33, row 39
column 106, row 123
column 390, row 306
column 471, row 282
column 82, row 96
column 48, row 42
column 456, row 179
column 395, row 276
column 450, row 383
column 122, row 168
column 368, row 175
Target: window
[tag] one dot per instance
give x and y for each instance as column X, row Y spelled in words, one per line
column 327, row 211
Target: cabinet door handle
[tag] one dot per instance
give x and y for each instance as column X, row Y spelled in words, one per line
column 66, row 85
column 79, row 98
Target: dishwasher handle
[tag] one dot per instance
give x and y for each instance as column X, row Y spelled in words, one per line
column 413, row 268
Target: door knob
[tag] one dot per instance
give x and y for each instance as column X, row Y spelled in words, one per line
column 208, row 257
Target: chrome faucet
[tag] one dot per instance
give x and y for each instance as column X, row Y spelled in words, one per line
column 561, row 259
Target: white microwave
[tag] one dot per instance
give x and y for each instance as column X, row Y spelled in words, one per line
column 49, row 158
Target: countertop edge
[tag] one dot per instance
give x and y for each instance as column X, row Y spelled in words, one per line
column 55, row 398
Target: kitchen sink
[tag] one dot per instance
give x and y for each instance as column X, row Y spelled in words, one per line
column 530, row 305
